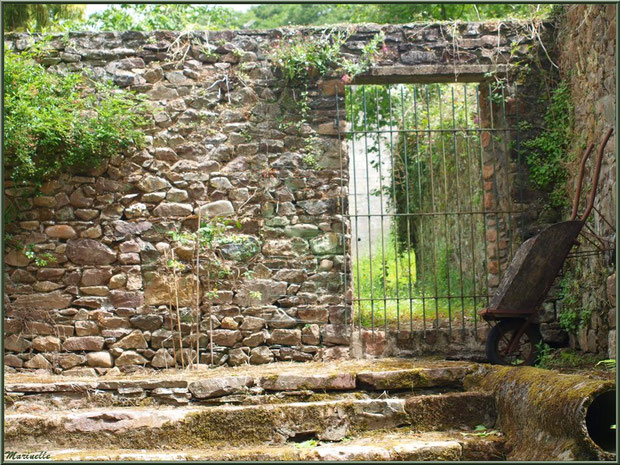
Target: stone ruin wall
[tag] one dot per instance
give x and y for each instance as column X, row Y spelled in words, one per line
column 215, row 145
column 587, row 60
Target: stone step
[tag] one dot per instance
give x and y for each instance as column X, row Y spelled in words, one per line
column 242, row 386
column 200, row 426
column 401, row 445
column 129, row 397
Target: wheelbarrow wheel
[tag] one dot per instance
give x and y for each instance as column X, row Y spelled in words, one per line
column 500, row 337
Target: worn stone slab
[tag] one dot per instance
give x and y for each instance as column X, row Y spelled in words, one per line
column 428, row 73
column 427, row 450
column 350, row 452
column 182, row 426
column 398, row 446
column 51, row 387
column 218, row 387
column 451, row 410
column 142, row 383
column 414, row 378
column 286, row 382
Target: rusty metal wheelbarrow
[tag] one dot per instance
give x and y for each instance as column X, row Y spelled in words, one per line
column 514, row 337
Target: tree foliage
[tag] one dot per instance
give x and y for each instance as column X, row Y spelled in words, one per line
column 271, row 16
column 55, row 124
column 39, row 16
column 166, row 16
column 397, row 13
column 149, row 17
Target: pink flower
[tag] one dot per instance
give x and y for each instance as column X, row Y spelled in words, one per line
column 384, row 49
column 346, row 78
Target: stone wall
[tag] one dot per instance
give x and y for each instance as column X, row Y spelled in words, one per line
column 587, row 59
column 218, row 145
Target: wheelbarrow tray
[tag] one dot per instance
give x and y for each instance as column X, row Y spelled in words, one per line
column 532, row 271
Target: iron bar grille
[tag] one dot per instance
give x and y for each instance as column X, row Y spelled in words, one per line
column 434, row 202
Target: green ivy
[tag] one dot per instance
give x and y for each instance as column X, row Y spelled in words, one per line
column 57, row 123
column 547, row 153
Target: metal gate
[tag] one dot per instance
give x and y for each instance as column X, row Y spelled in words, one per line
column 434, row 201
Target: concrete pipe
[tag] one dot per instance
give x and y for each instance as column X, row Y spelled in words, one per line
column 551, row 416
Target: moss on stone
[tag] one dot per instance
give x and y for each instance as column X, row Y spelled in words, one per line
column 535, row 403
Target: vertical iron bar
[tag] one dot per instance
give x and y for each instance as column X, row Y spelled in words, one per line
column 393, row 229
column 407, row 218
column 421, row 219
column 355, row 193
column 508, row 193
column 343, row 217
column 378, row 142
column 484, row 214
column 430, row 153
column 372, row 294
column 495, row 177
column 447, row 240
column 458, row 218
column 471, row 199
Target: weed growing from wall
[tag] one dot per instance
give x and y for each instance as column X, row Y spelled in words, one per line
column 301, row 58
column 194, row 269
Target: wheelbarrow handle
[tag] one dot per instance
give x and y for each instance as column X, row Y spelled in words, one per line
column 597, row 172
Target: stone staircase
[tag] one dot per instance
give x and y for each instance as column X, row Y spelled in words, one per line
column 342, row 410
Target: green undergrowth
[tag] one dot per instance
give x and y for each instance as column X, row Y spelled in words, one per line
column 569, row 359
column 389, row 288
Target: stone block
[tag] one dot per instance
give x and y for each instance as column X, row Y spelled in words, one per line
column 38, row 362
column 47, row 301
column 46, row 344
column 217, row 208
column 85, row 343
column 288, row 337
column 129, row 358
column 226, row 337
column 89, row 252
column 61, row 231
column 218, row 387
column 86, row 328
column 100, row 359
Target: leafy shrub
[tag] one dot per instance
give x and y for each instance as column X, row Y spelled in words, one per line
column 62, row 123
